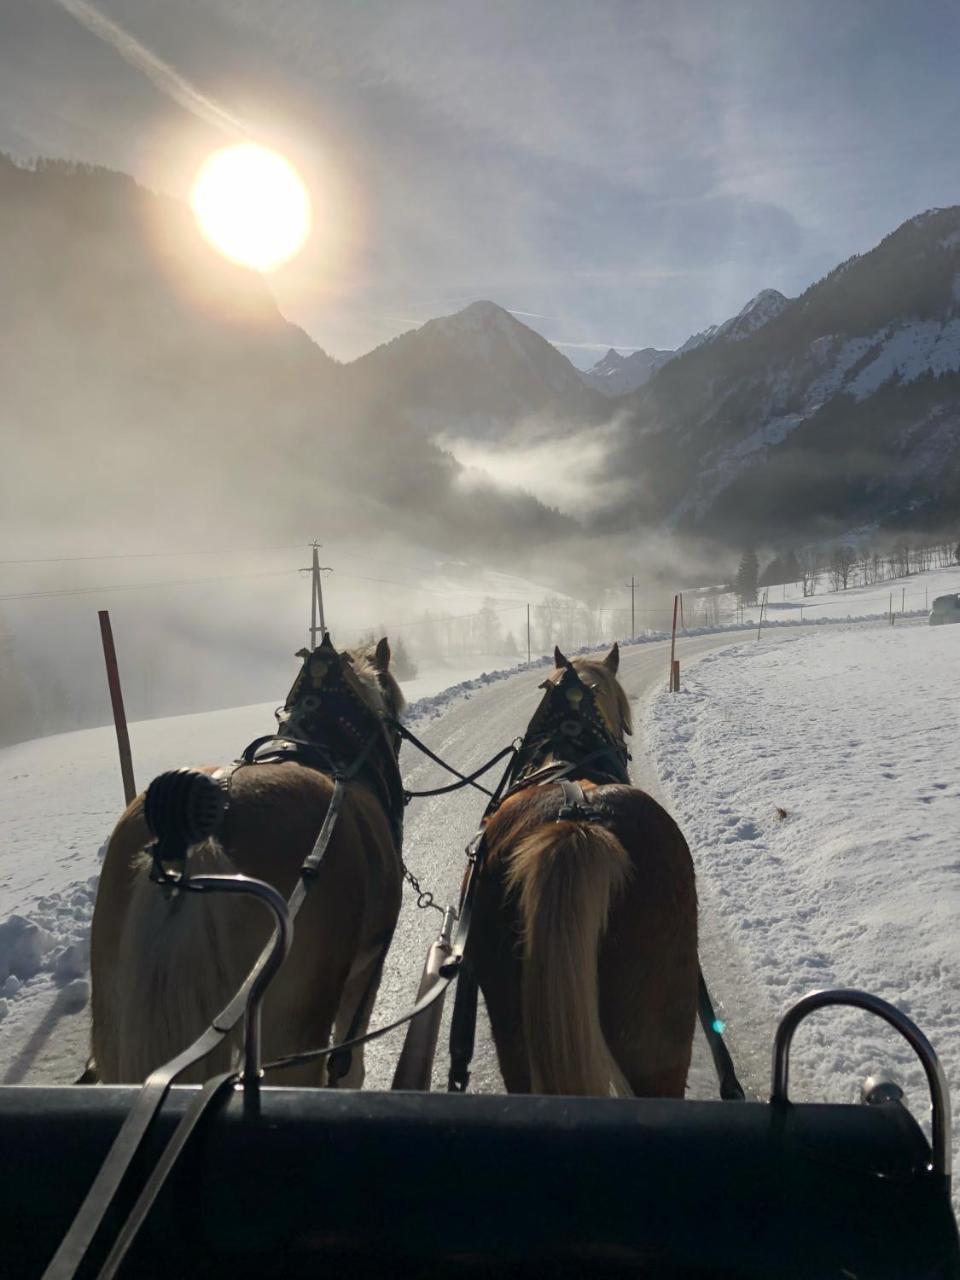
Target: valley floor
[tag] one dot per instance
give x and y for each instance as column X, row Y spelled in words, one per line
column 814, row 775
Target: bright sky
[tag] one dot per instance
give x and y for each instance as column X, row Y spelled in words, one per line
column 618, row 174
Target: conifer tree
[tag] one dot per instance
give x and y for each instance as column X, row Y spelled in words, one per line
column 747, row 577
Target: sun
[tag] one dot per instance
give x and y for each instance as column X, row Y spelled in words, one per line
column 251, row 205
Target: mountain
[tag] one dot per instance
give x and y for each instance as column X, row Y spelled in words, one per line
column 842, row 409
column 759, row 311
column 144, row 373
column 617, row 375
column 479, row 371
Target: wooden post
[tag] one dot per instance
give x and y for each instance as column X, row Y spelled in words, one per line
column 676, row 675
column 633, row 611
column 673, row 640
column 528, row 634
column 116, row 701
column 763, row 605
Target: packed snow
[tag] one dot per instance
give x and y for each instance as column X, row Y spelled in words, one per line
column 816, row 782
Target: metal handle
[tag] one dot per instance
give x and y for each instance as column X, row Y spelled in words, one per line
column 936, row 1080
column 415, row 1064
column 266, row 971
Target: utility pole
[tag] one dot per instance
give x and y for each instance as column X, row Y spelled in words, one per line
column 528, row 634
column 316, row 594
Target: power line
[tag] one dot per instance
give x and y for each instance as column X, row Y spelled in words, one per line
column 419, row 586
column 456, row 617
column 154, row 555
column 146, row 586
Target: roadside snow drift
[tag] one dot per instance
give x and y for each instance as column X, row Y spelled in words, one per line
column 817, row 783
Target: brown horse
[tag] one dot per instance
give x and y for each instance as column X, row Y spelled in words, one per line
column 163, row 965
column 584, row 935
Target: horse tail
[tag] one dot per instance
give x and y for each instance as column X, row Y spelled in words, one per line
column 180, row 959
column 566, row 874
column 90, row 1073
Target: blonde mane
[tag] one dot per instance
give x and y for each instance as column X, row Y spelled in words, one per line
column 383, row 693
column 611, row 699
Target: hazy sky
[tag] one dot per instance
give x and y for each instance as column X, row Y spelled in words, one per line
column 615, row 173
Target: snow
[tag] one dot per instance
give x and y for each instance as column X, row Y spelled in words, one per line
column 845, row 729
column 918, row 347
column 909, row 596
column 816, row 783
column 857, row 366
column 617, row 375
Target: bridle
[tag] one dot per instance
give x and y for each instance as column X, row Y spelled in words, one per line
column 327, row 723
column 569, row 734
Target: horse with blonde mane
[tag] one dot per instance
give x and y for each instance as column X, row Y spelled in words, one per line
column 164, row 964
column 584, row 933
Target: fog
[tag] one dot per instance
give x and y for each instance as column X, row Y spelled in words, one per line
column 174, row 441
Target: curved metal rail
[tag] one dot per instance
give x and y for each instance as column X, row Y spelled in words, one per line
column 76, row 1243
column 936, row 1080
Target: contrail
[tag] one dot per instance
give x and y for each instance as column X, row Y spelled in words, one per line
column 168, row 80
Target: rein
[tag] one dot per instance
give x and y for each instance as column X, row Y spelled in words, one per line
column 452, row 967
column 465, row 780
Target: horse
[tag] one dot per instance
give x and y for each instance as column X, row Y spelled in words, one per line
column 164, row 964
column 584, row 930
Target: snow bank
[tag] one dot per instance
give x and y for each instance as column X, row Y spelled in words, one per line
column 816, row 781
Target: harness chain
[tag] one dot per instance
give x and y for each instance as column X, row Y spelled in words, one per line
column 449, row 971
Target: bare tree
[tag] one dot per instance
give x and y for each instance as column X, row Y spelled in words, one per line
column 900, row 559
column 842, row 560
column 809, row 572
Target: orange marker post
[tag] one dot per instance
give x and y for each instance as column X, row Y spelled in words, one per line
column 116, row 700
column 673, row 640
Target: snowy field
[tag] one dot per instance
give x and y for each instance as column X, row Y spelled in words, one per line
column 817, row 783
column 912, row 595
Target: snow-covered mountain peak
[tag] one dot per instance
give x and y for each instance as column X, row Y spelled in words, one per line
column 477, row 317
column 610, row 363
column 618, row 375
column 767, row 303
column 760, row 310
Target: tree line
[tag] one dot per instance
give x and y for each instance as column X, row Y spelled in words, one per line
column 844, row 565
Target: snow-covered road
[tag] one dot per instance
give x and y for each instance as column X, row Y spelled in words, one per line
column 43, row 1039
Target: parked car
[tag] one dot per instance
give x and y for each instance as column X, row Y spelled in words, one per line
column 945, row 609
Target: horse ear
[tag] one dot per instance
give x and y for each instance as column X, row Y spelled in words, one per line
column 558, row 659
column 381, row 655
column 612, row 660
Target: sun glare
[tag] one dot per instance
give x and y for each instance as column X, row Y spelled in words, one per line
column 251, row 206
